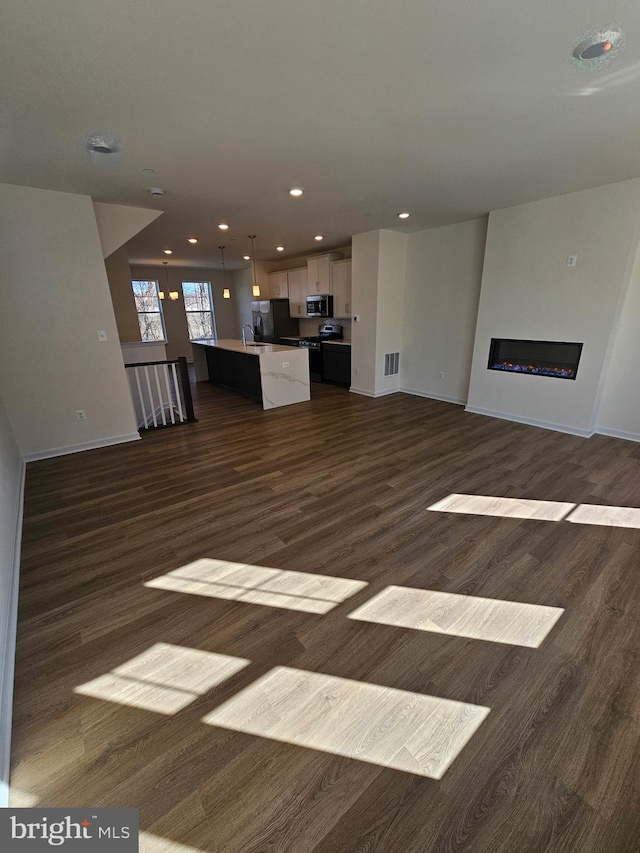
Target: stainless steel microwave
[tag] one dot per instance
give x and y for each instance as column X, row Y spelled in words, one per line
column 320, row 305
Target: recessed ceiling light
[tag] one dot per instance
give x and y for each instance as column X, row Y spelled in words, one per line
column 403, row 216
column 296, row 191
column 223, row 226
column 279, row 248
column 192, row 240
column 246, row 257
column 598, row 46
column 318, row 237
column 168, row 251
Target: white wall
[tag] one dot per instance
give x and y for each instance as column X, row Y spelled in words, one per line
column 11, row 482
column 364, row 296
column 619, row 412
column 444, row 272
column 118, row 223
column 528, row 292
column 54, row 297
column 392, row 263
column 175, row 320
column 241, row 296
column 124, row 304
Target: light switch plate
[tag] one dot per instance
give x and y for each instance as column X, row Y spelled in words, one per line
column 102, row 335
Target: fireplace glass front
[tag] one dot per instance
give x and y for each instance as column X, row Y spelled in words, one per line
column 540, row 358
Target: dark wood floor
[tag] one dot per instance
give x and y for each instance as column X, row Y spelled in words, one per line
column 339, row 486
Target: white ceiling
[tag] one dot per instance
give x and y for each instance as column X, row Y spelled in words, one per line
column 445, row 108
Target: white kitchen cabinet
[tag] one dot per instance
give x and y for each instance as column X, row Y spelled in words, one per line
column 341, row 282
column 297, row 285
column 278, row 286
column 319, row 273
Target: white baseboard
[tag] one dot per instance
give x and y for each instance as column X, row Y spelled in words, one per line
column 373, row 394
column 503, row 416
column 618, row 433
column 442, row 397
column 8, row 647
column 76, row 448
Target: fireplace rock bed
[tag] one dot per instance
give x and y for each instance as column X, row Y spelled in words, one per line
column 557, row 359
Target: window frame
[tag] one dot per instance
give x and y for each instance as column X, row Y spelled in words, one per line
column 210, row 311
column 160, row 312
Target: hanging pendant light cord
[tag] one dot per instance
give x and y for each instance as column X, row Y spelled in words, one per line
column 224, row 269
column 252, row 237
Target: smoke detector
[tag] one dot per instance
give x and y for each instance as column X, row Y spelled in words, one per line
column 156, row 192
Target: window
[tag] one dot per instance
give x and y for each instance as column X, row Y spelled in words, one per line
column 198, row 305
column 149, row 310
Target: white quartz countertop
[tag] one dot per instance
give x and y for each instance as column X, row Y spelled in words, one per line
column 237, row 346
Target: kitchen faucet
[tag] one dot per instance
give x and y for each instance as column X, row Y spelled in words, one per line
column 244, row 337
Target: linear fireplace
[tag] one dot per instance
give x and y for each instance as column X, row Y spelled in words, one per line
column 540, row 358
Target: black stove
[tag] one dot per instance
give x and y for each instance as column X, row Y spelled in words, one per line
column 327, row 332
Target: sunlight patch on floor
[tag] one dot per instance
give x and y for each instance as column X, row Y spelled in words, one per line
column 150, row 843
column 503, row 507
column 21, row 799
column 164, row 678
column 489, row 619
column 259, row 585
column 606, row 516
column 380, row 725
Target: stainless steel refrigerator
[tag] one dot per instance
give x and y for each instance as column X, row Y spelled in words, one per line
column 271, row 320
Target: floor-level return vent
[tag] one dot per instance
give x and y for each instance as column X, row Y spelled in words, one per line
column 391, row 363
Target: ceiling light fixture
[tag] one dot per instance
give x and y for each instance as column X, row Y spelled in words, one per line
column 279, row 248
column 102, row 143
column 223, row 226
column 296, row 191
column 599, row 45
column 226, row 293
column 318, row 237
column 255, row 288
column 403, row 215
column 168, row 251
column 192, row 240
column 246, row 257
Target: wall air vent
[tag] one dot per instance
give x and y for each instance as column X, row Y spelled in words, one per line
column 391, row 363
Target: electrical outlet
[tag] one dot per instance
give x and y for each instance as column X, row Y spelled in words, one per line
column 285, row 364
column 102, row 335
column 81, row 415
column 572, row 260
column 441, row 374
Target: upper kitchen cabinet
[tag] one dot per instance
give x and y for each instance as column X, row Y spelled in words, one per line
column 297, row 284
column 278, row 285
column 319, row 273
column 341, row 282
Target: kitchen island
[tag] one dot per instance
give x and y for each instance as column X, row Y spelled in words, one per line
column 271, row 374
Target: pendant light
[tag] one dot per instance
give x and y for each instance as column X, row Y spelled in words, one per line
column 255, row 287
column 226, row 293
column 166, row 273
